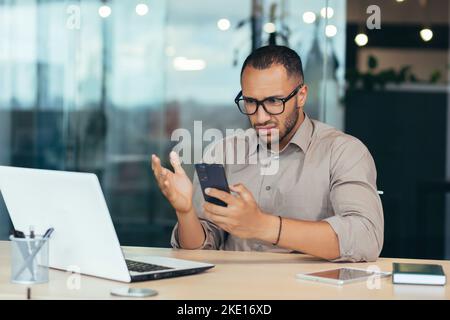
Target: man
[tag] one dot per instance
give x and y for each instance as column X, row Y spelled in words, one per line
column 322, row 201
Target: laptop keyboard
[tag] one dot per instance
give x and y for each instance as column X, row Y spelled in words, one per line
column 144, row 267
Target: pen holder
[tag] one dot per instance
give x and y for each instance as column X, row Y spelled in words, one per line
column 29, row 260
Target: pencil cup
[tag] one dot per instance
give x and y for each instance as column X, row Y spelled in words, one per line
column 29, row 260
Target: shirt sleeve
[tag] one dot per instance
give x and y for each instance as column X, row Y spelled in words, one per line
column 358, row 221
column 214, row 236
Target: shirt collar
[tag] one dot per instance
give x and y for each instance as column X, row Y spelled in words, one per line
column 302, row 137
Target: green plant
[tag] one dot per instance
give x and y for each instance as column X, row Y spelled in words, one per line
column 371, row 80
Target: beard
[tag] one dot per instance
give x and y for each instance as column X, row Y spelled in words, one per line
column 289, row 125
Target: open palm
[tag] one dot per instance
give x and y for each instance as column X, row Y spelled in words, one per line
column 176, row 186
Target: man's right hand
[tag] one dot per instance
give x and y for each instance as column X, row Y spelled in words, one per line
column 176, row 186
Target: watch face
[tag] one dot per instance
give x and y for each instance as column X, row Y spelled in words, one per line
column 133, row 292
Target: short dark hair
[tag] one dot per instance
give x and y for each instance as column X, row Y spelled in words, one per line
column 265, row 57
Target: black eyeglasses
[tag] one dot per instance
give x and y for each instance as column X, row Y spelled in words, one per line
column 272, row 105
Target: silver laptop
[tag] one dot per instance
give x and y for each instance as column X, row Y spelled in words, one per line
column 84, row 238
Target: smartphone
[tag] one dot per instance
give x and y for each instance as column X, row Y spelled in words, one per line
column 212, row 176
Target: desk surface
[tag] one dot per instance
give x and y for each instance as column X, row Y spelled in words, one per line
column 237, row 275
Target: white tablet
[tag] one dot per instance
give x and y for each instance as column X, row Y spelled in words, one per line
column 342, row 275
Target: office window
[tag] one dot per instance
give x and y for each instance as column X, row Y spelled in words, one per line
column 98, row 86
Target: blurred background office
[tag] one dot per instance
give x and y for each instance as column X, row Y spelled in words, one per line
column 99, row 86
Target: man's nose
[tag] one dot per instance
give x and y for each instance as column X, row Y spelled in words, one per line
column 262, row 115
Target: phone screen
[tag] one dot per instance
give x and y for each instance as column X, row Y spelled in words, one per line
column 212, row 176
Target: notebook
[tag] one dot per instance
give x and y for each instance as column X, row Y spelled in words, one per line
column 407, row 273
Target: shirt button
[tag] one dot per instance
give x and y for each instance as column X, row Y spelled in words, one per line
column 268, row 188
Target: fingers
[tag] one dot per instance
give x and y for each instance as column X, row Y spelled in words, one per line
column 165, row 188
column 215, row 209
column 156, row 165
column 221, row 195
column 176, row 162
column 163, row 181
column 218, row 220
column 159, row 172
column 242, row 191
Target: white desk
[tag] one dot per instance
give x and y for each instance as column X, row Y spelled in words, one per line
column 237, row 275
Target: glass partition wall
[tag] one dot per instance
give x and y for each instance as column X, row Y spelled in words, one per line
column 98, row 86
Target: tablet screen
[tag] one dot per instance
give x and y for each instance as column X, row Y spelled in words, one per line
column 342, row 274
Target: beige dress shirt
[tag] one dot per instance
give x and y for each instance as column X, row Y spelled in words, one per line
column 323, row 175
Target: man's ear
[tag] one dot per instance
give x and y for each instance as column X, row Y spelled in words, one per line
column 303, row 95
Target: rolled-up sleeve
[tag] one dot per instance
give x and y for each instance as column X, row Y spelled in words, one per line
column 214, row 236
column 358, row 213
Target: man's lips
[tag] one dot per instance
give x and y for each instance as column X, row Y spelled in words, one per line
column 270, row 126
column 265, row 128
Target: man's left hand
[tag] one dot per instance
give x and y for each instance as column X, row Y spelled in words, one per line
column 242, row 218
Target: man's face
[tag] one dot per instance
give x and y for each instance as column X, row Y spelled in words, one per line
column 273, row 82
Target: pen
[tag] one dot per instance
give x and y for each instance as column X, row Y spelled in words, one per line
column 18, row 234
column 48, row 233
column 33, row 247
